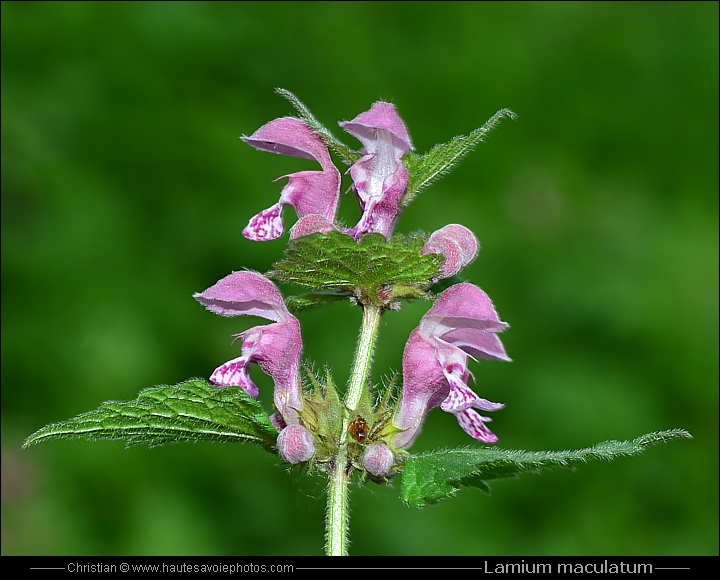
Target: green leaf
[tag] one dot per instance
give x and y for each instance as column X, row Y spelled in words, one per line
column 430, row 477
column 188, row 412
column 335, row 261
column 346, row 154
column 429, row 167
column 314, row 299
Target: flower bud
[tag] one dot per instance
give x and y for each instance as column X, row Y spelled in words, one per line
column 457, row 243
column 296, row 444
column 378, row 459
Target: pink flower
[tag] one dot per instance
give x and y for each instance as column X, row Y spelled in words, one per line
column 380, row 176
column 275, row 347
column 462, row 322
column 457, row 243
column 309, row 192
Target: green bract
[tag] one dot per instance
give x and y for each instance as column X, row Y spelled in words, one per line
column 429, row 167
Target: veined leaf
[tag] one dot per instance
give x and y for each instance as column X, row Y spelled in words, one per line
column 314, row 299
column 335, row 261
column 430, row 477
column 188, row 412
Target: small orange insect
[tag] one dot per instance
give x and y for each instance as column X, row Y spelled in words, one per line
column 359, row 428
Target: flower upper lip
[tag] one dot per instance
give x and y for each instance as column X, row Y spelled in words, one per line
column 291, row 136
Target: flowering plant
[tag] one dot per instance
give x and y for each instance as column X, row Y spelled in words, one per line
column 363, row 429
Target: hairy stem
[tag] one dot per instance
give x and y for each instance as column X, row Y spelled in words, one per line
column 338, row 490
column 337, row 513
column 363, row 357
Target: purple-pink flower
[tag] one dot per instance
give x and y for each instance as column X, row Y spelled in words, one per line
column 275, row 347
column 380, row 177
column 462, row 323
column 309, row 192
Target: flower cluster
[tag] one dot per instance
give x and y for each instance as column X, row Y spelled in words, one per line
column 461, row 324
column 379, row 176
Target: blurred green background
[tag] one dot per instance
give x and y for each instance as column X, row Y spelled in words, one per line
column 125, row 189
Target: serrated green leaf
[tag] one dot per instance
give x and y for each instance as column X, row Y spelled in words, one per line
column 429, row 167
column 188, row 412
column 335, row 261
column 313, row 300
column 430, row 477
column 346, row 154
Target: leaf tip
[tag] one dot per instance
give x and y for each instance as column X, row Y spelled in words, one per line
column 33, row 439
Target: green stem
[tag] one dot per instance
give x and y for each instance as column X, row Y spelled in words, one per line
column 363, row 358
column 337, row 510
